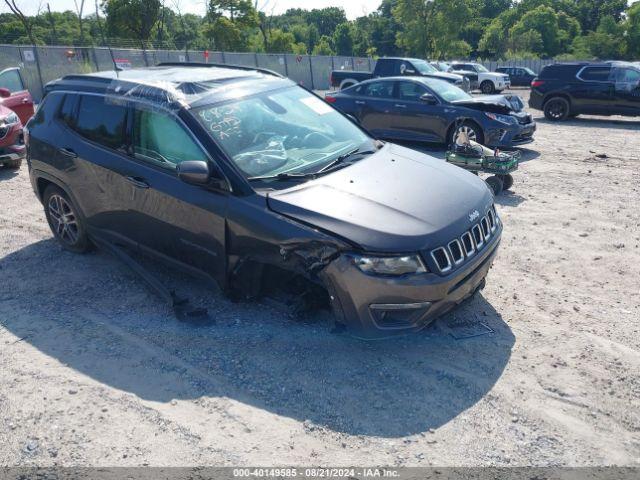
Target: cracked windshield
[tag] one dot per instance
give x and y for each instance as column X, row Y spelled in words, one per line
column 283, row 132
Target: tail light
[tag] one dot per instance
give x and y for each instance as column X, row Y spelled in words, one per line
column 537, row 83
column 330, row 99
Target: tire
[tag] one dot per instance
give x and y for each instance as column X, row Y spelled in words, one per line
column 13, row 164
column 66, row 224
column 507, row 181
column 556, row 109
column 487, row 87
column 346, row 85
column 495, row 184
column 475, row 132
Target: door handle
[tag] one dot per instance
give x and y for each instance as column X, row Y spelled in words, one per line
column 400, row 105
column 68, row 152
column 359, row 102
column 138, row 182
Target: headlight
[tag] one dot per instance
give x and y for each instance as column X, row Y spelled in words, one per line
column 11, row 119
column 389, row 265
column 506, row 119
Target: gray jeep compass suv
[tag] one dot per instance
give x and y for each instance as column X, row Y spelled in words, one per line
column 235, row 173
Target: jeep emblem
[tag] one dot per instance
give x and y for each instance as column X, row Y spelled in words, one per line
column 473, row 215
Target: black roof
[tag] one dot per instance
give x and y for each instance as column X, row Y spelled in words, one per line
column 171, row 83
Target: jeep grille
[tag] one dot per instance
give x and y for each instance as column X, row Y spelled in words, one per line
column 458, row 250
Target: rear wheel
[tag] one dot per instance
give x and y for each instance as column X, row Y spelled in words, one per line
column 495, row 183
column 556, row 109
column 65, row 223
column 487, row 87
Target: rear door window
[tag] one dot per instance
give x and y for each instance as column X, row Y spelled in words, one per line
column 12, row 81
column 102, row 121
column 159, row 138
column 595, row 74
column 378, row 90
column 67, row 109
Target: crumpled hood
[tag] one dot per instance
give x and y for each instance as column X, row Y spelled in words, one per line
column 494, row 103
column 396, row 200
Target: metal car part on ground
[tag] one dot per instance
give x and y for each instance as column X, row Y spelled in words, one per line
column 476, row 158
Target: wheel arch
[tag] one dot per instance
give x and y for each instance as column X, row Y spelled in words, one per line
column 549, row 96
column 348, row 82
column 44, row 179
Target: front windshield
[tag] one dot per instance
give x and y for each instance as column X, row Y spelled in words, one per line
column 447, row 91
column 529, row 71
column 480, row 68
column 423, row 67
column 282, row 131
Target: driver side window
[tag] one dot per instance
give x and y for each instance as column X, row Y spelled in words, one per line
column 159, row 139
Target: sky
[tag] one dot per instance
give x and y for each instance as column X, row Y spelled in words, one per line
column 353, row 8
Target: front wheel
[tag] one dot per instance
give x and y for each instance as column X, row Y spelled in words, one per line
column 473, row 131
column 556, row 109
column 65, row 223
column 487, row 87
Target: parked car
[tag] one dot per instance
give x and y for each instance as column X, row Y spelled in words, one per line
column 12, row 149
column 238, row 174
column 518, row 76
column 446, row 67
column 430, row 110
column 14, row 95
column 566, row 90
column 392, row 67
column 489, row 82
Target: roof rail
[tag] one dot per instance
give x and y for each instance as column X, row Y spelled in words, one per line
column 219, row 65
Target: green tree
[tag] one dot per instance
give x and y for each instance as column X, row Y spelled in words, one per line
column 633, row 30
column 131, row 18
column 543, row 20
column 323, row 47
column 343, row 39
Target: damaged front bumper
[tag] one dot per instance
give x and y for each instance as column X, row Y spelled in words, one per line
column 509, row 136
column 374, row 306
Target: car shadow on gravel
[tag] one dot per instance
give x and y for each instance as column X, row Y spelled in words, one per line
column 90, row 315
column 8, row 173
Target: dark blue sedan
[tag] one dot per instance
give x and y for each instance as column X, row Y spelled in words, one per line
column 431, row 110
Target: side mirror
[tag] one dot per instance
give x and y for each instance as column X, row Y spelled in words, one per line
column 5, row 93
column 428, row 98
column 195, row 172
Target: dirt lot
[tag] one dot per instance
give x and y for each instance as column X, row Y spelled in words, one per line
column 94, row 370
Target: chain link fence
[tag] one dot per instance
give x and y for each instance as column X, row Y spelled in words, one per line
column 40, row 65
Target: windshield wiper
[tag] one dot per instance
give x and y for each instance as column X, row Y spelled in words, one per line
column 284, row 176
column 340, row 160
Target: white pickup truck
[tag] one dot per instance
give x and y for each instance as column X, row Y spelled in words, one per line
column 488, row 82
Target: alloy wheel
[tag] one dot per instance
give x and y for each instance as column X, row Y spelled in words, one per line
column 63, row 219
column 471, row 133
column 556, row 109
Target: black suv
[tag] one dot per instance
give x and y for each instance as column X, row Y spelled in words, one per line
column 569, row 89
column 243, row 177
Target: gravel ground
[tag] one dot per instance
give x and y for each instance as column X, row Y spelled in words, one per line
column 94, row 369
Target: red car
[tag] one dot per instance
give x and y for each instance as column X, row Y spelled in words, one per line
column 14, row 95
column 12, row 148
